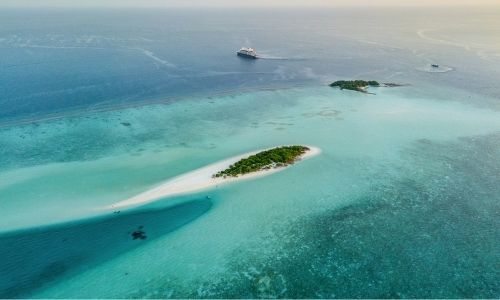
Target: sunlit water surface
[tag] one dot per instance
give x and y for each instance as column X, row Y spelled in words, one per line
column 402, row 202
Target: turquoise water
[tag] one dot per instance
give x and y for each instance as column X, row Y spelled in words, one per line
column 343, row 124
column 388, row 160
column 402, row 202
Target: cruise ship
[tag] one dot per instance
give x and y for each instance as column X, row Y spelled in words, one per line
column 247, row 53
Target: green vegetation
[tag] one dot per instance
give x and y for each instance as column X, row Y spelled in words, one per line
column 276, row 157
column 354, row 85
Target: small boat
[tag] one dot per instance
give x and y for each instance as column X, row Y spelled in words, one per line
column 247, row 53
column 435, row 66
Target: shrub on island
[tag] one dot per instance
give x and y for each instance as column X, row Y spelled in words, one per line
column 265, row 160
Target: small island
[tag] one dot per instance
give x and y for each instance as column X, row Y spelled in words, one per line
column 355, row 85
column 265, row 160
column 242, row 167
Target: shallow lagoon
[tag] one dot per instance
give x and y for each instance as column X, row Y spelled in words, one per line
column 402, row 202
column 389, row 161
column 162, row 141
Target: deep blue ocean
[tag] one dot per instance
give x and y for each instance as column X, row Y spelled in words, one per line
column 66, row 59
column 99, row 105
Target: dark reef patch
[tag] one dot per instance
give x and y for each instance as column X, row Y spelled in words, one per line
column 139, row 234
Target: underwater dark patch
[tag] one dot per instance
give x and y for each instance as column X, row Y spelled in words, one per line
column 34, row 258
column 430, row 232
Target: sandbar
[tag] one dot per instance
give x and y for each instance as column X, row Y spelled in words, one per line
column 202, row 179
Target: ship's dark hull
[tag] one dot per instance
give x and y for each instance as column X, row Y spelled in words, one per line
column 246, row 55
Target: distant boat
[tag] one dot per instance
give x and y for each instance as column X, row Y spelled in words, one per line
column 435, row 66
column 247, row 53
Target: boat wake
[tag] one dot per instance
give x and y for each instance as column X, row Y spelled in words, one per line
column 430, row 69
column 270, row 57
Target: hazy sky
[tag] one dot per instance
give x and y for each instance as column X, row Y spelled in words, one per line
column 246, row 3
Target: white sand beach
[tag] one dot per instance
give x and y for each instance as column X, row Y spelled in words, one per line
column 201, row 179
